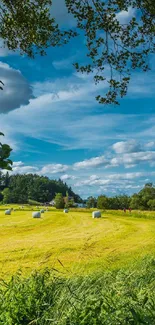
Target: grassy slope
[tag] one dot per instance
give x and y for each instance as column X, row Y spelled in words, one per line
column 81, row 243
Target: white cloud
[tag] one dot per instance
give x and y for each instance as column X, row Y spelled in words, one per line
column 94, row 177
column 124, row 16
column 20, row 168
column 130, row 176
column 16, row 90
column 91, row 163
column 90, row 184
column 67, row 177
column 114, row 181
column 128, row 160
column 126, row 146
column 65, row 113
column 18, row 164
column 53, row 169
column 49, row 169
column 132, row 159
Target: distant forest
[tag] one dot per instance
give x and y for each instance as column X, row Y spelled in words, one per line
column 144, row 200
column 29, row 188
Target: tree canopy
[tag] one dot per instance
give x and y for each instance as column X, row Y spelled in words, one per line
column 27, row 26
column 114, row 48
column 59, row 201
column 27, row 188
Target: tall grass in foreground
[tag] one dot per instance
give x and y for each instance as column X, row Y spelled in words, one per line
column 110, row 298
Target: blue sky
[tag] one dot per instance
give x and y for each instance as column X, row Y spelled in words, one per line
column 52, row 121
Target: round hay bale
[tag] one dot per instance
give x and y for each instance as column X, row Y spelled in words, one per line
column 42, row 211
column 8, row 212
column 96, row 214
column 36, row 215
column 65, row 210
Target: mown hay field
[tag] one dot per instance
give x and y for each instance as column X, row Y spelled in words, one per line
column 73, row 243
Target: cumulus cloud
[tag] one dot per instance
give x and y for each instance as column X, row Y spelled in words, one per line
column 90, row 163
column 94, row 177
column 90, row 184
column 126, row 176
column 132, row 159
column 67, row 177
column 128, row 160
column 108, row 182
column 100, row 163
column 20, row 168
column 49, row 169
column 53, row 169
column 18, row 164
column 126, row 146
column 17, row 90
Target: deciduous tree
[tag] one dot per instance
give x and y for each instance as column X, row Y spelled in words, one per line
column 115, row 48
column 5, row 150
column 59, row 201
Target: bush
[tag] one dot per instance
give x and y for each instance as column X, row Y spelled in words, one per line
column 114, row 298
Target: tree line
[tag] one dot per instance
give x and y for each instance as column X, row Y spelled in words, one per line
column 144, row 200
column 32, row 188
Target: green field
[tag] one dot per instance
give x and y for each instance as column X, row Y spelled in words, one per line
column 73, row 243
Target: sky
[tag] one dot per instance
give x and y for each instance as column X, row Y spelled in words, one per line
column 55, row 127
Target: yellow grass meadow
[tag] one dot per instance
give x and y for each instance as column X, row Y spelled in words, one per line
column 74, row 242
